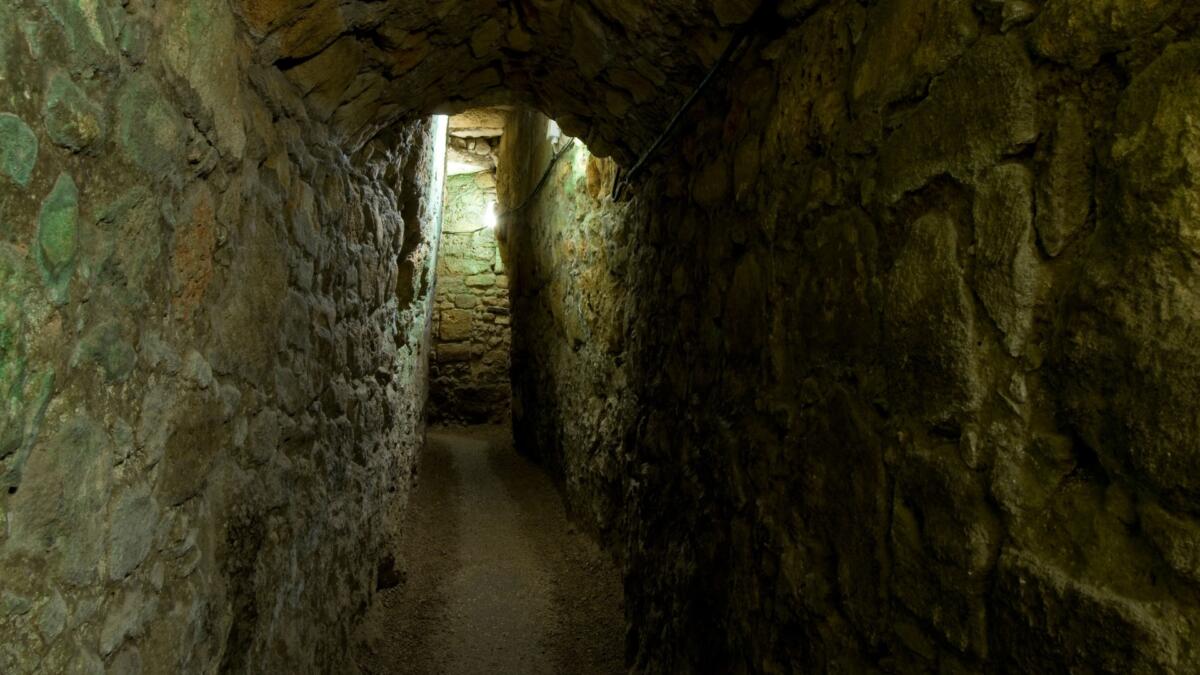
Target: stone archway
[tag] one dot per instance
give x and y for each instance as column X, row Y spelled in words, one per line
column 610, row 72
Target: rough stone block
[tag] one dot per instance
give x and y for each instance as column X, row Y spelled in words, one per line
column 58, row 235
column 134, row 523
column 1079, row 32
column 1008, row 275
column 1064, row 197
column 73, row 120
column 89, row 31
column 929, row 323
column 465, row 268
column 151, row 129
column 455, row 325
column 1129, row 360
column 1177, row 539
column 1157, row 150
column 980, row 110
column 906, row 43
column 59, row 506
column 18, row 149
column 1046, row 617
column 466, row 301
column 454, row 353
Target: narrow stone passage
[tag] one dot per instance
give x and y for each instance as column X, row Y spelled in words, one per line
column 496, row 580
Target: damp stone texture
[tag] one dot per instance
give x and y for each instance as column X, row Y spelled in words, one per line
column 887, row 363
column 469, row 372
column 213, row 339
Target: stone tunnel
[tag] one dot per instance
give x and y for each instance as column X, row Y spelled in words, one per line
column 856, row 336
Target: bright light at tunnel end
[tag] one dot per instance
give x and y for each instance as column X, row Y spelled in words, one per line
column 489, row 215
column 437, row 187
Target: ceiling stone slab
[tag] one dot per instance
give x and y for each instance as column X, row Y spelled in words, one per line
column 610, row 71
column 480, row 122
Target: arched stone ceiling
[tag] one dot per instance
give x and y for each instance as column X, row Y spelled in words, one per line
column 610, row 71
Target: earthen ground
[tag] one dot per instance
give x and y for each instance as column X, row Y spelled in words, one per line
column 496, row 579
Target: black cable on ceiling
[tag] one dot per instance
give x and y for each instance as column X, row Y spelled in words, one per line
column 739, row 38
column 545, row 177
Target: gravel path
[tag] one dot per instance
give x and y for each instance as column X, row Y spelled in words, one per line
column 496, row 580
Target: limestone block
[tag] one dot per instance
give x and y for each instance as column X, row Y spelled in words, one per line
column 590, row 44
column 192, row 257
column 1079, row 32
column 1008, row 276
column 466, row 301
column 839, row 314
column 73, row 120
column 1026, row 473
column 743, row 311
column 1064, row 197
column 1128, row 359
column 455, row 325
column 125, row 619
column 1047, row 617
column 262, row 15
column 467, row 267
column 978, row 111
column 128, row 660
column 731, row 12
column 59, row 506
column 713, row 183
column 322, row 78
column 18, row 149
column 105, row 346
column 89, row 31
column 746, row 164
column 1176, row 538
column 151, row 130
column 134, row 523
column 58, row 235
column 929, row 323
column 944, row 540
column 190, row 448
column 52, row 617
column 1157, row 149
column 454, row 353
column 319, row 25
column 906, row 43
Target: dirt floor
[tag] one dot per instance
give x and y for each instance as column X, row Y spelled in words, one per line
column 495, row 579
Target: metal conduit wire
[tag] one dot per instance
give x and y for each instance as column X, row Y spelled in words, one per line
column 541, row 183
column 739, row 38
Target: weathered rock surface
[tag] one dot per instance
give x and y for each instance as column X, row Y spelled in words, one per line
column 176, row 462
column 887, row 365
column 18, row 149
column 1128, row 347
column 905, row 44
column 1079, row 33
column 1008, row 273
column 73, row 120
column 980, row 110
column 930, row 319
column 814, row 384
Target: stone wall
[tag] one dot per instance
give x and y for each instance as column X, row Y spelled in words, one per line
column 569, row 325
column 469, row 374
column 890, row 363
column 213, row 336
